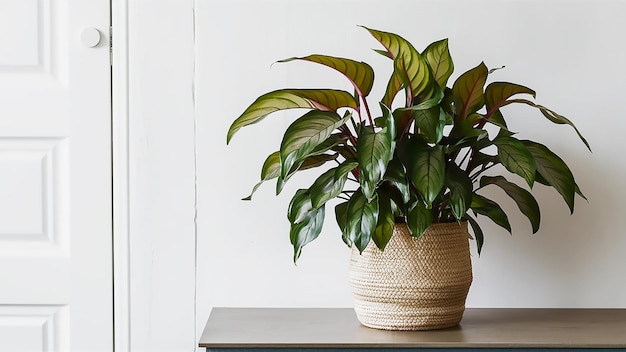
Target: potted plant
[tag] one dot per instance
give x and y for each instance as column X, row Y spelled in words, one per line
column 408, row 174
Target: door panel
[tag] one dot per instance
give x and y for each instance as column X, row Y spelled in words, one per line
column 55, row 177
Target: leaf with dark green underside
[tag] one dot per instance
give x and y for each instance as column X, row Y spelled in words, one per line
column 315, row 158
column 418, row 219
column 490, row 209
column 516, row 158
column 497, row 93
column 524, row 199
column 554, row 171
column 327, row 187
column 361, row 219
column 321, row 99
column 409, row 65
column 305, row 134
column 478, row 233
column 427, row 169
column 386, row 221
column 540, row 179
column 552, row 116
column 438, row 57
column 469, row 89
column 271, row 168
column 360, row 74
column 396, row 174
column 341, row 216
column 460, row 187
column 374, row 151
column 307, row 230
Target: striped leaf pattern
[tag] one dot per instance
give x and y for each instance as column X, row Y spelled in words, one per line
column 304, row 135
column 360, row 74
column 516, row 158
column 497, row 93
column 469, row 88
column 409, row 65
column 438, row 57
column 306, row 221
column 427, row 171
column 374, row 151
column 321, row 99
column 361, row 219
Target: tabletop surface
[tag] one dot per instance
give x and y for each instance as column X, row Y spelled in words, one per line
column 480, row 327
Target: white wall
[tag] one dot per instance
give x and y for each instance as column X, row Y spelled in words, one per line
column 571, row 52
column 161, row 183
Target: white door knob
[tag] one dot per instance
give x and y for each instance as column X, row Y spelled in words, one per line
column 90, row 37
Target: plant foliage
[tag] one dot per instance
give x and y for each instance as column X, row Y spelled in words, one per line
column 421, row 163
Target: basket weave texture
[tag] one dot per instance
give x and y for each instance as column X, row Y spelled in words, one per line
column 415, row 283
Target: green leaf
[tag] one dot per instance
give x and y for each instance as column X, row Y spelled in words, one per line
column 271, row 167
column 386, row 221
column 431, row 123
column 305, row 134
column 438, row 57
column 478, row 233
column 465, row 127
column 326, row 187
column 316, row 160
column 374, row 151
column 524, row 199
column 418, row 219
column 497, row 119
column 360, row 74
column 270, row 170
column 341, row 216
column 409, row 65
column 393, row 87
column 469, row 89
column 490, row 209
column 361, row 220
column 433, row 101
column 345, row 168
column 554, row 171
column 426, row 169
column 497, row 93
column 552, row 116
column 307, row 230
column 396, row 174
column 460, row 187
column 516, row 158
column 299, row 206
column 321, row 99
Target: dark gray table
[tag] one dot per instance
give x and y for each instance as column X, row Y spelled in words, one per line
column 314, row 329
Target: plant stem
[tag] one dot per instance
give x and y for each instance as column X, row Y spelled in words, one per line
column 367, row 111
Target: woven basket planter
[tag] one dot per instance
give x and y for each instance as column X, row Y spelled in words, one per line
column 415, row 283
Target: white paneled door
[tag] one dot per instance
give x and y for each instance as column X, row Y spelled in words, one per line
column 55, row 176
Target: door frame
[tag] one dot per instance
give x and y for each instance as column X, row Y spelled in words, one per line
column 120, row 177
